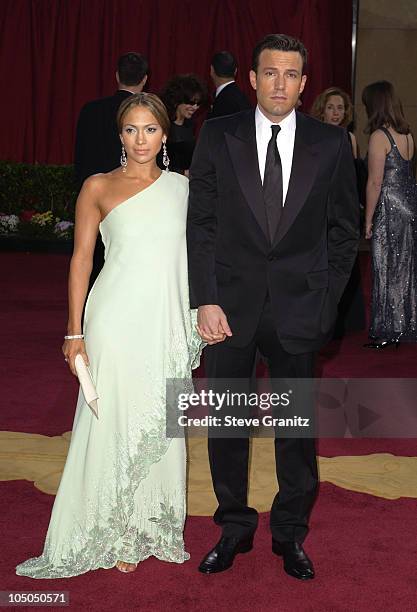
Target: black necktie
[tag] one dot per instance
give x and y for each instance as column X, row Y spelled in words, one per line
column 272, row 186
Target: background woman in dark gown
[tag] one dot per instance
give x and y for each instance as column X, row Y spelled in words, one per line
column 182, row 96
column 391, row 218
column 335, row 107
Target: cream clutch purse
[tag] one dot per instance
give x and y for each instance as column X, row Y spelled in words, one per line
column 87, row 385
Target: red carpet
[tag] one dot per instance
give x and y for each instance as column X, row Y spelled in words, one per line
column 364, row 547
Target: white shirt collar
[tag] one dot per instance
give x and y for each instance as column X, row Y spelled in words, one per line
column 285, row 144
column 221, row 87
column 288, row 124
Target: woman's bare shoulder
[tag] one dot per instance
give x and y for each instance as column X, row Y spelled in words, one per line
column 379, row 140
column 97, row 183
column 378, row 135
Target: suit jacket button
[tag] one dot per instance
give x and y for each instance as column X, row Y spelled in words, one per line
column 271, row 257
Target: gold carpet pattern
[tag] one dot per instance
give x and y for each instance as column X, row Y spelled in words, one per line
column 40, row 459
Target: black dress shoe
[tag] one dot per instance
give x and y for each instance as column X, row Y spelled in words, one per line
column 296, row 562
column 223, row 554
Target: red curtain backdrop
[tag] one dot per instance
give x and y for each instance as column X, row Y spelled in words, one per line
column 57, row 54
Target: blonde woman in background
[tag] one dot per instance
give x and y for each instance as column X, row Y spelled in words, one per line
column 334, row 106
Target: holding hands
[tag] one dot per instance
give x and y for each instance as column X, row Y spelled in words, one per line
column 212, row 324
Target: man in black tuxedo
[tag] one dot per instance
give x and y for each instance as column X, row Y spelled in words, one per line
column 273, row 233
column 229, row 99
column 97, row 142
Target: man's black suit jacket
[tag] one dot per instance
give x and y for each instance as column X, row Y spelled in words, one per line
column 97, row 144
column 230, row 100
column 231, row 260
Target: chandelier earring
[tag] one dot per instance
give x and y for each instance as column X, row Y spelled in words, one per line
column 165, row 158
column 123, row 159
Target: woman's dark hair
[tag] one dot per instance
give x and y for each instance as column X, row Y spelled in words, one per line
column 383, row 108
column 183, row 89
column 279, row 42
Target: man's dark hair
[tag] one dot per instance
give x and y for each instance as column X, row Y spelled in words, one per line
column 224, row 64
column 279, row 42
column 132, row 68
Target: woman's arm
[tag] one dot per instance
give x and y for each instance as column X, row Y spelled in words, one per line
column 87, row 219
column 377, row 152
column 354, row 145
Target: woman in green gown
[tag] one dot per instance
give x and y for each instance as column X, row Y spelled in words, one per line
column 122, row 494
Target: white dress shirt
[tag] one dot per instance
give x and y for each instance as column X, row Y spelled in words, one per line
column 285, row 144
column 221, row 87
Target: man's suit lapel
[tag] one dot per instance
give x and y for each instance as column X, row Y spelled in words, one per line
column 244, row 154
column 303, row 172
column 243, row 151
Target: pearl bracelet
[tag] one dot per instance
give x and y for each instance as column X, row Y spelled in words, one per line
column 75, row 337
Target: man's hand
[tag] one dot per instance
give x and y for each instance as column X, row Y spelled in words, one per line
column 212, row 324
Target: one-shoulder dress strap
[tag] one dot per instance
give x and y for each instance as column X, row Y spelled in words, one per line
column 389, row 136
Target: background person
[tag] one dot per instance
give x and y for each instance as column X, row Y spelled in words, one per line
column 97, row 142
column 391, row 218
column 182, row 96
column 228, row 97
column 334, row 106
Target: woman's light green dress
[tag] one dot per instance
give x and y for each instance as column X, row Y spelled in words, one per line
column 122, row 492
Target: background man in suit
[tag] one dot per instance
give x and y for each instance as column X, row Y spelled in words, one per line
column 97, row 143
column 273, row 232
column 229, row 98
